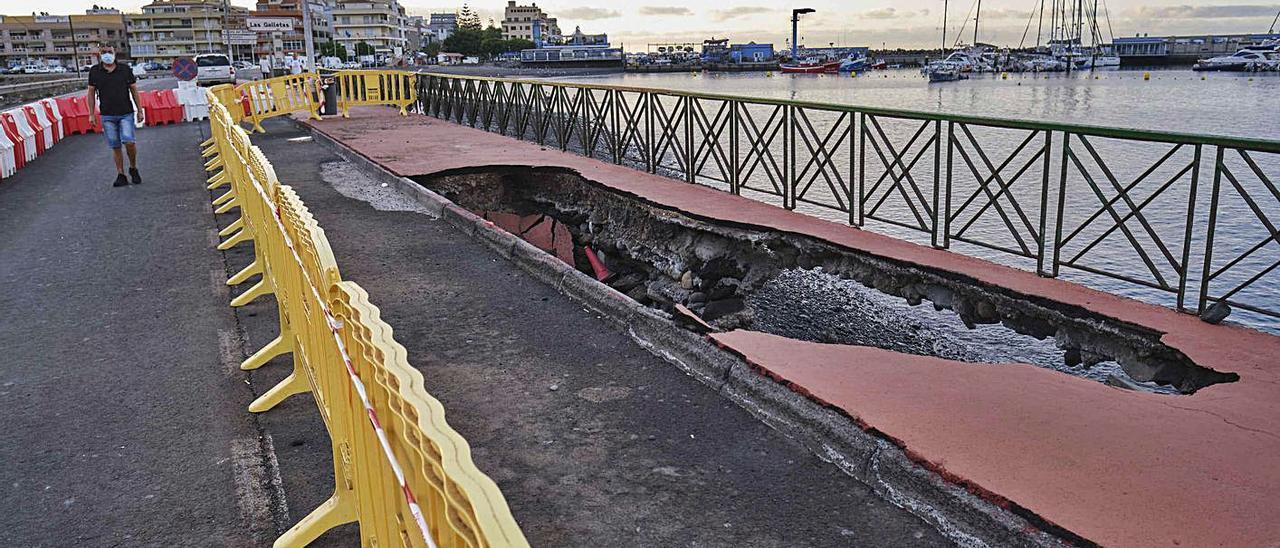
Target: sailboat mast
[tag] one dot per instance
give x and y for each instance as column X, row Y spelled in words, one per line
column 1040, row 25
column 944, row 27
column 977, row 14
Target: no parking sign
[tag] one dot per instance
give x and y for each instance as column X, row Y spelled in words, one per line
column 185, row 69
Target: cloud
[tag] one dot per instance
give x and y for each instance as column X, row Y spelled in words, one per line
column 665, row 10
column 587, row 13
column 891, row 13
column 740, row 11
column 882, row 13
column 1202, row 12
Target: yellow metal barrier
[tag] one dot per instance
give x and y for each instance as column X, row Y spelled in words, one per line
column 280, row 96
column 400, row 470
column 376, row 87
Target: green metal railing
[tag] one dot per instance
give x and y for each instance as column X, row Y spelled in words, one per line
column 1124, row 204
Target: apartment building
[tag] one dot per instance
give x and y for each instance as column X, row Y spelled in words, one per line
column 379, row 23
column 176, row 28
column 440, row 27
column 278, row 45
column 529, row 23
column 60, row 40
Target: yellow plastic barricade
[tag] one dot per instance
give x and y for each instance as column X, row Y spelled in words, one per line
column 229, row 96
column 376, row 87
column 280, row 96
column 400, row 471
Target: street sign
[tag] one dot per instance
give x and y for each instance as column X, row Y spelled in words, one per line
column 239, row 37
column 269, row 24
column 185, row 69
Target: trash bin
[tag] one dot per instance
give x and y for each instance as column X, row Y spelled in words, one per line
column 330, row 86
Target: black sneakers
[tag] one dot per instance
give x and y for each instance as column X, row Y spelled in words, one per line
column 133, row 174
column 121, row 180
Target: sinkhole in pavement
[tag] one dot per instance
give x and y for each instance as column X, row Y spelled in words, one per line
column 805, row 288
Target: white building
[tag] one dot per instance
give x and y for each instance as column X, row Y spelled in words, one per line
column 440, row 27
column 529, row 23
column 176, row 28
column 379, row 23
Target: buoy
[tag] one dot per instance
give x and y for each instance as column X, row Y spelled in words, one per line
column 1146, row 76
column 1004, row 76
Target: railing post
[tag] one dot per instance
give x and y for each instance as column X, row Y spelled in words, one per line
column 938, row 215
column 860, row 218
column 1044, row 203
column 1062, row 200
column 1207, row 272
column 945, row 213
column 649, row 146
column 688, row 139
column 1185, row 267
column 789, row 157
column 735, row 171
column 853, row 173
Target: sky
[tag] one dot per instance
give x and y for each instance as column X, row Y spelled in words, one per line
column 875, row 23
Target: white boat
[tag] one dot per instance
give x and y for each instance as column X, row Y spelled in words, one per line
column 1098, row 61
column 1258, row 57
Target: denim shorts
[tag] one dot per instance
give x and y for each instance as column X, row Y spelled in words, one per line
column 118, row 129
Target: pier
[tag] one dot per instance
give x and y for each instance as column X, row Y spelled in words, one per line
column 574, row 273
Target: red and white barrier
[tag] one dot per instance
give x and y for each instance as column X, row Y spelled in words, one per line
column 15, row 121
column 30, row 130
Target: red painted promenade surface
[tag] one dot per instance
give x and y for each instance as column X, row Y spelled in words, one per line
column 1116, row 467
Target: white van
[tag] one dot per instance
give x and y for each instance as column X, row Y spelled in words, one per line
column 214, row 68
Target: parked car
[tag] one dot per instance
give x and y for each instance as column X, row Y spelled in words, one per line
column 351, row 65
column 214, row 68
column 58, row 69
column 244, row 65
column 35, row 69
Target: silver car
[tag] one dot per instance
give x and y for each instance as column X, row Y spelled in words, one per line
column 214, row 68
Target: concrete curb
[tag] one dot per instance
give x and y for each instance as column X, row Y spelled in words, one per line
column 872, row 458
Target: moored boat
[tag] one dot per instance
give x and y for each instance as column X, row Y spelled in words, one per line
column 810, row 67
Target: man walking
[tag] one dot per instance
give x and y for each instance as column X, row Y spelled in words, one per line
column 115, row 85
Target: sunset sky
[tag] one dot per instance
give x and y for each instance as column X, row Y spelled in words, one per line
column 901, row 23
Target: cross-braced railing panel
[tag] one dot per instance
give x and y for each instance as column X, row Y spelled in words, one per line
column 669, row 132
column 899, row 172
column 821, row 160
column 1242, row 260
column 597, row 138
column 631, row 110
column 710, row 145
column 1127, row 210
column 761, row 159
column 996, row 188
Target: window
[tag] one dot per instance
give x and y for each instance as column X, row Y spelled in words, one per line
column 212, row 61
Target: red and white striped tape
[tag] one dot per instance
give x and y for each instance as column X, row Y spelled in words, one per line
column 334, row 327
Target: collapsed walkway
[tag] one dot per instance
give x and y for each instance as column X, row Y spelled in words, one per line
column 593, row 440
column 1110, row 466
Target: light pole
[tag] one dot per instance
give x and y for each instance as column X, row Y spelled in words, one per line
column 795, row 33
column 307, row 40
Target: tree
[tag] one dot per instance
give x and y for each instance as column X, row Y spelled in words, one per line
column 468, row 18
column 363, row 48
column 333, row 49
column 465, row 41
column 433, row 49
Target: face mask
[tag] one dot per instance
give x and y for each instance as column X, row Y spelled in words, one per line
column 108, row 58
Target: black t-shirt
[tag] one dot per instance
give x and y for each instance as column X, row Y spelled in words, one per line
column 113, row 88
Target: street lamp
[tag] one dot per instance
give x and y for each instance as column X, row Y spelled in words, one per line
column 795, row 24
